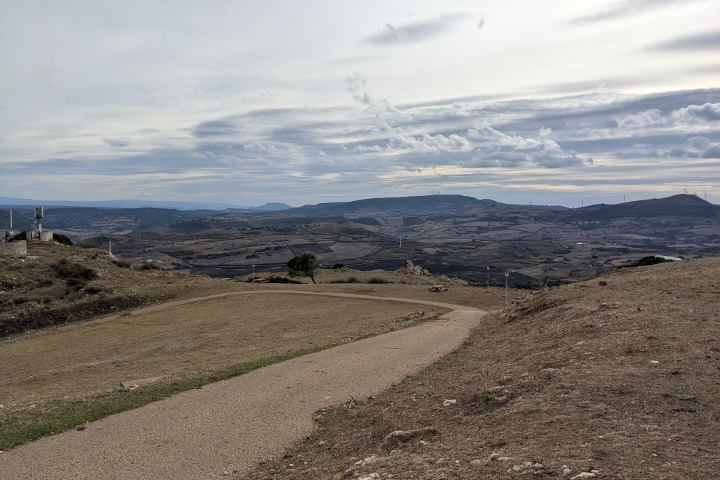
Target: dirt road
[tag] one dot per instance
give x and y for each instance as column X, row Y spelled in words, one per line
column 224, row 429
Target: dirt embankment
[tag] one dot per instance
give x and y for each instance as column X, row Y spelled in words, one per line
column 611, row 380
column 56, row 284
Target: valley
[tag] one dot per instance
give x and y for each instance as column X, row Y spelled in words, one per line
column 461, row 237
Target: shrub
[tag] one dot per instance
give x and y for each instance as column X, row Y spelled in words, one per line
column 88, row 244
column 345, row 280
column 645, row 261
column 377, row 280
column 279, row 279
column 74, row 273
column 62, row 239
column 121, row 263
column 149, row 266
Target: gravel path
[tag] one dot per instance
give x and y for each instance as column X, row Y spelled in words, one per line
column 226, row 428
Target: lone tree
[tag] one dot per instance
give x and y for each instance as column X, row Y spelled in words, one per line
column 303, row 264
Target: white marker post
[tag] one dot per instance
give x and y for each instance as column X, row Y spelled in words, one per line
column 507, row 275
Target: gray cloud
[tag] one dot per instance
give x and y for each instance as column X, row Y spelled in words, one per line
column 572, row 140
column 626, row 9
column 214, row 128
column 699, row 42
column 117, row 142
column 712, row 152
column 415, row 32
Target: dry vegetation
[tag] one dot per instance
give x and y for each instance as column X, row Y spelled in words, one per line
column 614, row 378
column 87, row 357
column 57, row 284
column 615, row 381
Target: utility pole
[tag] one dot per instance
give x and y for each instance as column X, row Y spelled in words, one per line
column 488, row 278
column 110, row 247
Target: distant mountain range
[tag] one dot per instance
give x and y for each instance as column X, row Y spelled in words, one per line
column 109, row 216
column 411, row 206
column 676, row 205
column 175, row 205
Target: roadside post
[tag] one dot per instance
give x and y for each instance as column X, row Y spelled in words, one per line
column 507, row 275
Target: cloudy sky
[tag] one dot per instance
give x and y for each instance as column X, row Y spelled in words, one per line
column 247, row 102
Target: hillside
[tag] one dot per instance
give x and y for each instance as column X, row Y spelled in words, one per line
column 399, row 205
column 450, row 235
column 676, row 205
column 614, row 380
column 57, row 284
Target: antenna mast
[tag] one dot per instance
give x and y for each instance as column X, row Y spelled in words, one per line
column 39, row 214
column 8, row 229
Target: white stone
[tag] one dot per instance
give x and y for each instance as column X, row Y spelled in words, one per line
column 584, row 475
column 370, row 477
column 448, row 403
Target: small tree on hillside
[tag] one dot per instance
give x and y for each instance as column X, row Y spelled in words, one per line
column 303, row 264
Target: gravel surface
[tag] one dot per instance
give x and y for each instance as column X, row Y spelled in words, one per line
column 226, row 428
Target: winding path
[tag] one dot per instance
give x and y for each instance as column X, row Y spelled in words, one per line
column 226, row 428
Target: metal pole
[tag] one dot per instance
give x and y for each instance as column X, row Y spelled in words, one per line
column 507, row 275
column 488, row 278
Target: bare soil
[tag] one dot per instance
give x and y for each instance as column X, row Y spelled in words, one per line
column 614, row 378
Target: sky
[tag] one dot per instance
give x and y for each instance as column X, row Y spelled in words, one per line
column 245, row 102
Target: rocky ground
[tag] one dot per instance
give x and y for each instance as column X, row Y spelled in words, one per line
column 615, row 378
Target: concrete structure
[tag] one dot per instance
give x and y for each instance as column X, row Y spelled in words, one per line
column 34, row 236
column 18, row 248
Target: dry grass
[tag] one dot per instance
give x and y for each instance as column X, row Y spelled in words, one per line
column 46, row 371
column 89, row 358
column 619, row 381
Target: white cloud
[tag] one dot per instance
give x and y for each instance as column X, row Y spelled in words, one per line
column 708, row 112
column 144, row 93
column 647, row 118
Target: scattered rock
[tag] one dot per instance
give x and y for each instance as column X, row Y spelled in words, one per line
column 602, row 283
column 581, row 475
column 402, row 436
column 448, row 403
column 411, row 269
column 361, row 463
column 654, row 363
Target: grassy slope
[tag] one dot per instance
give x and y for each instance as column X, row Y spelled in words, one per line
column 617, row 381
